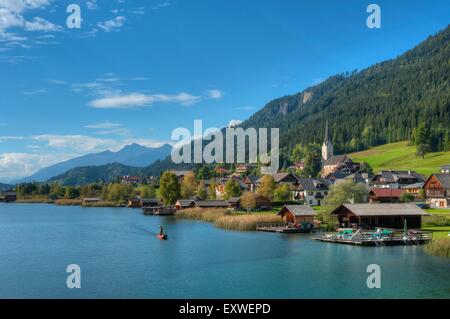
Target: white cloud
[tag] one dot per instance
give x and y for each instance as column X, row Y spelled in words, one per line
column 112, row 24
column 12, row 16
column 108, row 128
column 134, row 100
column 214, row 94
column 92, row 4
column 80, row 143
column 17, row 165
column 39, row 91
column 234, row 123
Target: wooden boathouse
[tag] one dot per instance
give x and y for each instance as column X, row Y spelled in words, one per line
column 378, row 224
column 294, row 219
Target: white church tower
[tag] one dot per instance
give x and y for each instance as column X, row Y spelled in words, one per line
column 327, row 147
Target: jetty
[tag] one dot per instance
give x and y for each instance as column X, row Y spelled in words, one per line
column 381, row 237
column 283, row 228
column 159, row 210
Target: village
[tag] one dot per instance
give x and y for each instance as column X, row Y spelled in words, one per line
column 384, row 207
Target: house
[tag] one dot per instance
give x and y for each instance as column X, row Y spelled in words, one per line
column 133, row 180
column 180, row 174
column 360, row 178
column 184, row 203
column 149, row 202
column 445, row 169
column 396, row 179
column 221, row 182
column 260, row 202
column 211, row 204
column 385, row 195
column 371, row 216
column 91, row 200
column 312, row 190
column 437, row 190
column 297, row 214
column 283, row 178
column 134, row 202
column 251, row 182
column 244, row 168
column 414, row 189
column 339, row 165
column 221, row 171
column 9, row 197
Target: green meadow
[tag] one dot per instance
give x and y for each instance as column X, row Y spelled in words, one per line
column 401, row 156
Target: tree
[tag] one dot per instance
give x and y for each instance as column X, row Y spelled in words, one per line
column 298, row 153
column 147, row 192
column 347, row 192
column 422, row 150
column 72, row 192
column 188, row 186
column 212, row 190
column 169, row 188
column 267, row 186
column 282, row 193
column 313, row 161
column 232, row 189
column 201, row 190
column 248, row 201
column 407, row 197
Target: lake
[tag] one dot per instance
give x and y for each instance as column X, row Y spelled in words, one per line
column 120, row 257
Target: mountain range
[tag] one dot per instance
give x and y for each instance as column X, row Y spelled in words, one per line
column 131, row 155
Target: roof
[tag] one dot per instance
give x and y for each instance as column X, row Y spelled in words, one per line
column 313, row 183
column 149, row 200
column 251, row 178
column 444, row 179
column 92, row 199
column 279, row 177
column 415, row 185
column 211, row 203
column 233, row 200
column 185, row 202
column 394, row 176
column 387, row 192
column 9, row 193
column 299, row 210
column 447, row 166
column 382, row 209
column 337, row 159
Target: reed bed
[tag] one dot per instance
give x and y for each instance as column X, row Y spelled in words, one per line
column 439, row 247
column 101, row 204
column 68, row 202
column 436, row 220
column 244, row 222
column 209, row 215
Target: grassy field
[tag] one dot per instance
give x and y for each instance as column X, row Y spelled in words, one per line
column 401, row 156
column 435, row 211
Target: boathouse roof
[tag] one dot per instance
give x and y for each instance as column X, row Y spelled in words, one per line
column 380, row 209
column 298, row 210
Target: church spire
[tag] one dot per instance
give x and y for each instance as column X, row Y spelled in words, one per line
column 327, row 147
column 326, row 139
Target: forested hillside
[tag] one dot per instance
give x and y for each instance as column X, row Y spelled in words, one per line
column 378, row 105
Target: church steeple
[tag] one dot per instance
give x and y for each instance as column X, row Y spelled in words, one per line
column 327, row 147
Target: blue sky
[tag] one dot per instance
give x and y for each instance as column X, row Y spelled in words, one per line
column 137, row 69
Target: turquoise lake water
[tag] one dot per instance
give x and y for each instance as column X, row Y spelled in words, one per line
column 120, row 257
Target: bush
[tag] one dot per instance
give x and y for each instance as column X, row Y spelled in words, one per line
column 436, row 221
column 439, row 247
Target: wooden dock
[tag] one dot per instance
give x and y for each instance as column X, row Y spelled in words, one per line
column 281, row 228
column 365, row 239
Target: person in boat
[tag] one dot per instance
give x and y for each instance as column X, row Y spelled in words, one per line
column 161, row 231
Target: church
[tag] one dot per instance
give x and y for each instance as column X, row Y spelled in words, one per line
column 335, row 166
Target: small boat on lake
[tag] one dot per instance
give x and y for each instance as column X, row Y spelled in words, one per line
column 161, row 235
